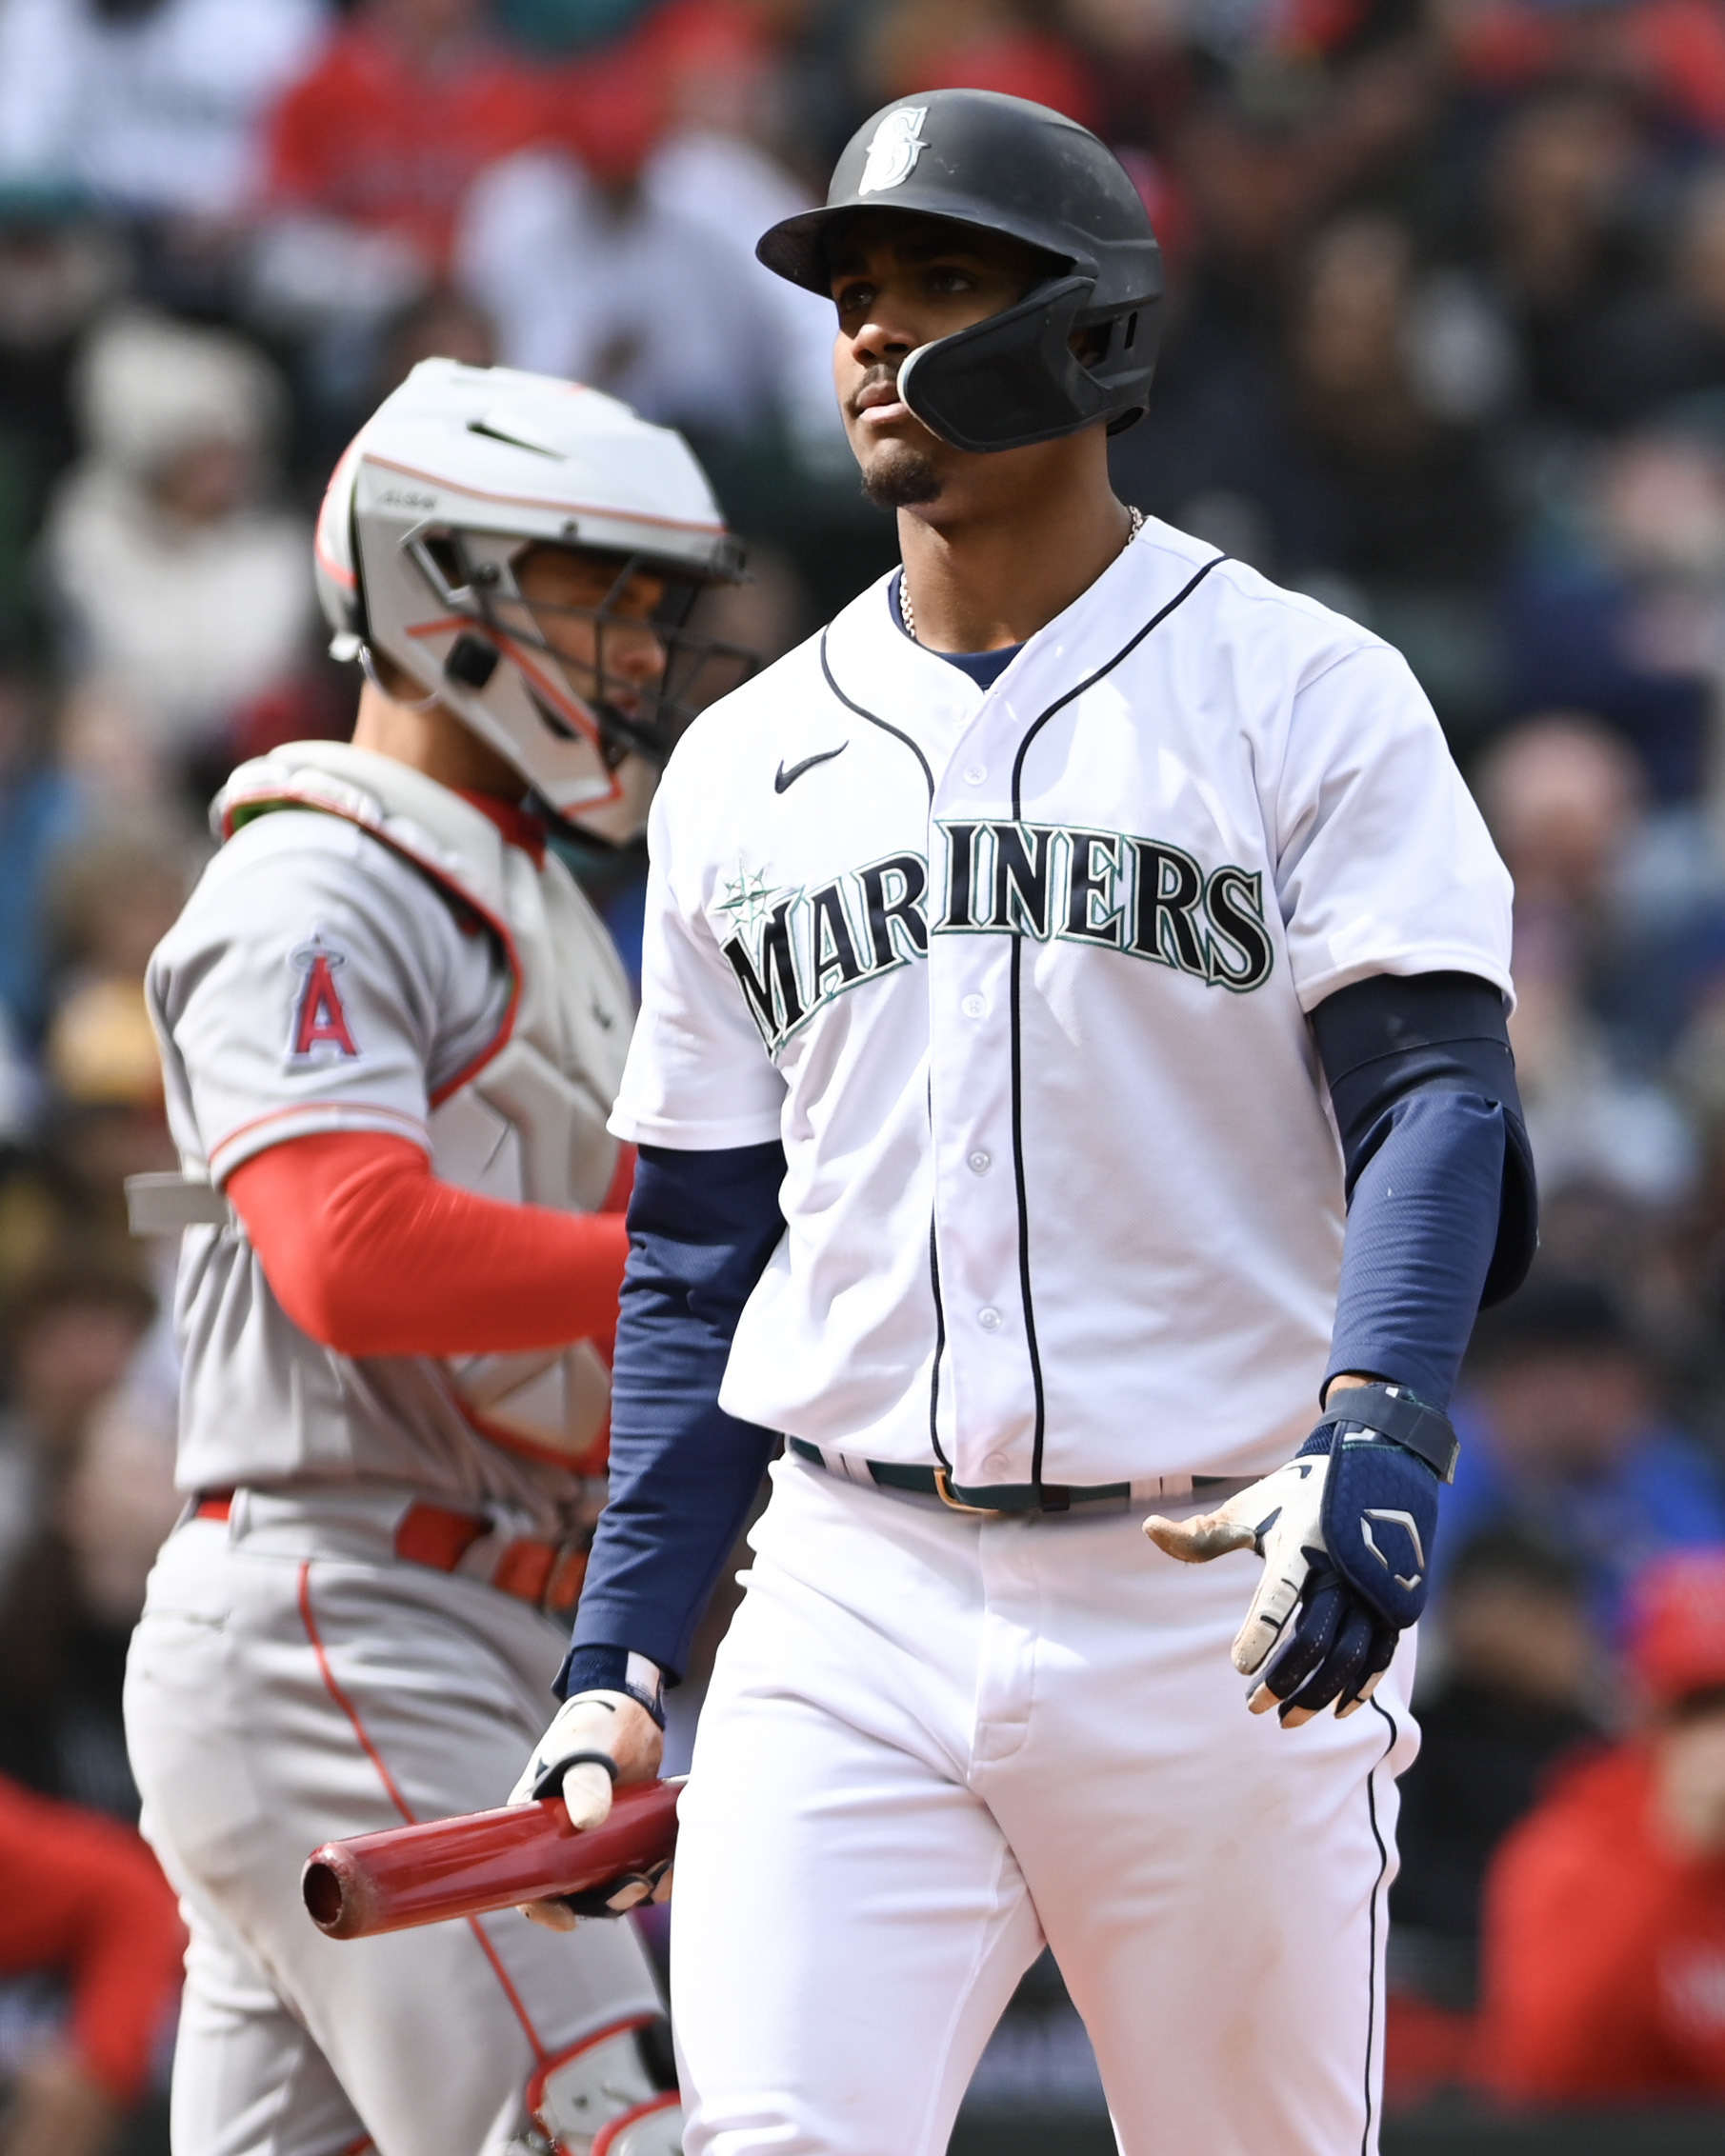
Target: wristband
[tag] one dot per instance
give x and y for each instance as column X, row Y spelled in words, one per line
column 1391, row 1411
column 613, row 1669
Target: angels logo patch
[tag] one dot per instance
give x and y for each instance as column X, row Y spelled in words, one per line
column 319, row 1031
column 898, row 144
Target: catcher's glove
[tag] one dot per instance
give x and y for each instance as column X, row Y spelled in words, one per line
column 1345, row 1531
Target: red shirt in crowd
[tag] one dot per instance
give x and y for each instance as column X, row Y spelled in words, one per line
column 82, row 1895
column 1672, row 51
column 368, row 137
column 1604, row 1967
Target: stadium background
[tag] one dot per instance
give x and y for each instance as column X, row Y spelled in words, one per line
column 1446, row 349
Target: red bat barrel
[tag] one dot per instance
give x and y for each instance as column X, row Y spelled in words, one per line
column 488, row 1860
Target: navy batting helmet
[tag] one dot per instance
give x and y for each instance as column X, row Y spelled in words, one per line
column 1006, row 166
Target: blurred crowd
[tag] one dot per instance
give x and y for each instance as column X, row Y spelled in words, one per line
column 1445, row 348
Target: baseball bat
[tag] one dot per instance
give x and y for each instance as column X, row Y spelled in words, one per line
column 486, row 1860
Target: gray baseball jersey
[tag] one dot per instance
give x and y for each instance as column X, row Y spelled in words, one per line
column 381, row 961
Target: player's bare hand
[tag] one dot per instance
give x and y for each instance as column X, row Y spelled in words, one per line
column 595, row 1741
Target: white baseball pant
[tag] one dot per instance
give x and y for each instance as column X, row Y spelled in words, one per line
column 934, row 1742
column 276, row 1698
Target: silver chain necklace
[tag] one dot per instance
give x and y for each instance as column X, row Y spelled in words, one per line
column 908, row 612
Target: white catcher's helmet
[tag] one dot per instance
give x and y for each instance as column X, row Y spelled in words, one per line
column 455, row 474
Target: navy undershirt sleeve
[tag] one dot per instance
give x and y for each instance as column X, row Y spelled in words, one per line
column 683, row 1473
column 1442, row 1215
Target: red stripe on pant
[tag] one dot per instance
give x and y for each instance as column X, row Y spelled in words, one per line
column 371, row 1752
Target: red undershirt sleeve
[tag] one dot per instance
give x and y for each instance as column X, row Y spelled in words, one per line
column 370, row 1254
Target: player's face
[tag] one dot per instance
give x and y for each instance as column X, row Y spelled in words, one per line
column 611, row 659
column 900, row 281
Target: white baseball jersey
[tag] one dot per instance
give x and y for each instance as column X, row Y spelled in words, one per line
column 368, row 953
column 1014, row 975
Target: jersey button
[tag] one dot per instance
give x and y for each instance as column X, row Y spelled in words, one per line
column 979, row 1163
column 974, row 1006
column 989, row 1318
column 975, row 773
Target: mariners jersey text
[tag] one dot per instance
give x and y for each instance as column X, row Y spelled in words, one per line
column 795, row 950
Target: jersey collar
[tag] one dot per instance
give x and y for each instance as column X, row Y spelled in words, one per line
column 520, row 826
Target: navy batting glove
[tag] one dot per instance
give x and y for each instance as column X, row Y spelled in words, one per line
column 1378, row 1515
column 1345, row 1531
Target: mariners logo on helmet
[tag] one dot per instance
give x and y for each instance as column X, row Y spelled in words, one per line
column 893, row 150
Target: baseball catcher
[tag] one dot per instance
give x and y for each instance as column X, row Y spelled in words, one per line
column 393, row 1030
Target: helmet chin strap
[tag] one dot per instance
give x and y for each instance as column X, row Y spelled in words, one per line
column 369, row 668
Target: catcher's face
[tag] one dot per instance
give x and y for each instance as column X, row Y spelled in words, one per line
column 597, row 621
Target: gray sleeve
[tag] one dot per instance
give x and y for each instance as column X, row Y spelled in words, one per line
column 315, row 981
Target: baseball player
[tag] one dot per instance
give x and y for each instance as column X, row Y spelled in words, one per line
column 393, row 1030
column 1071, row 1052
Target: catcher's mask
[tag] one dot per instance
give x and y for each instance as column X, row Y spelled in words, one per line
column 468, row 479
column 630, row 666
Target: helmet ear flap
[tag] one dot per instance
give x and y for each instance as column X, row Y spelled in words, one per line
column 1009, row 380
column 1013, row 378
column 1128, row 360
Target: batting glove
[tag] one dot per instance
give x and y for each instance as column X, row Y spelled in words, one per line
column 1345, row 1531
column 596, row 1740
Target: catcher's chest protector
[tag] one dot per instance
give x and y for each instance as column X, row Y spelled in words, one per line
column 525, row 1122
column 600, row 2097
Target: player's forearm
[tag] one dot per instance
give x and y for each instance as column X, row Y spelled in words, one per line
column 370, row 1254
column 683, row 1475
column 1439, row 1178
column 675, row 1516
column 1421, row 1232
column 683, row 1472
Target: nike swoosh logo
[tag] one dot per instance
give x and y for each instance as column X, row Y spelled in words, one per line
column 788, row 778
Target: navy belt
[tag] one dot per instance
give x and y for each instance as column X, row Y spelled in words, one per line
column 1029, row 1497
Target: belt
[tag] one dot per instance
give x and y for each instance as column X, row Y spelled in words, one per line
column 547, row 1574
column 1023, row 1497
